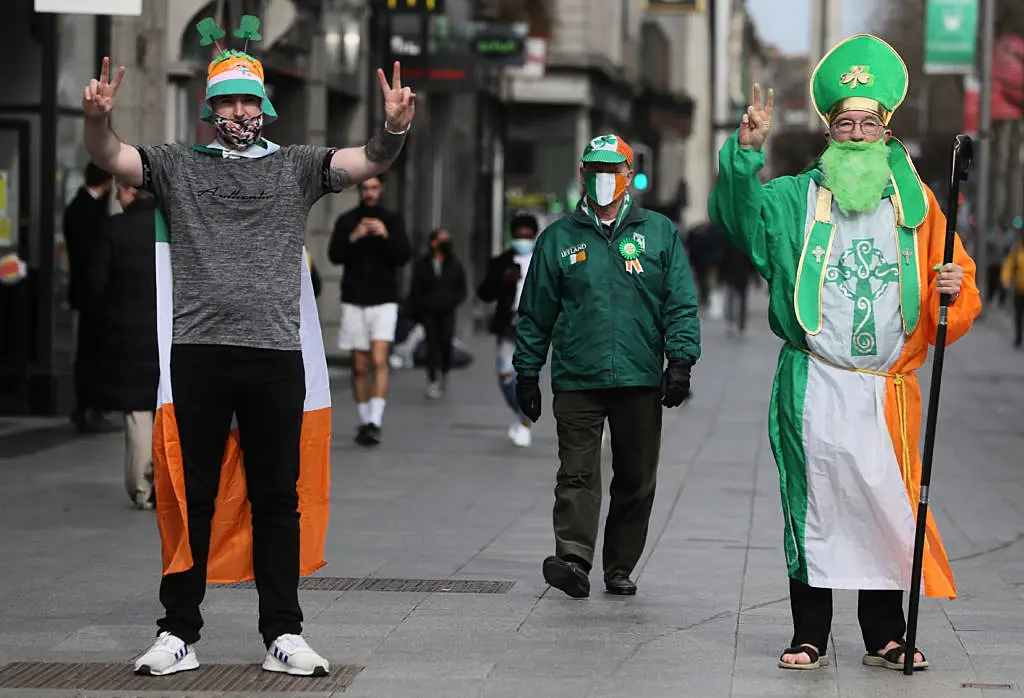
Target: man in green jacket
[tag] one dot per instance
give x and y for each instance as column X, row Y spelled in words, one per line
column 609, row 290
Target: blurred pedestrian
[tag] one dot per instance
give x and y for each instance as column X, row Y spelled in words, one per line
column 83, row 227
column 503, row 286
column 737, row 273
column 438, row 288
column 610, row 292
column 122, row 291
column 1013, row 281
column 371, row 242
column 853, row 252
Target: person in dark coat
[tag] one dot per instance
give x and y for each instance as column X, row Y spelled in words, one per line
column 502, row 286
column 122, row 291
column 83, row 224
column 438, row 288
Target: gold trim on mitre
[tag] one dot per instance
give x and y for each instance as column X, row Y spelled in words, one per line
column 874, row 109
column 859, row 104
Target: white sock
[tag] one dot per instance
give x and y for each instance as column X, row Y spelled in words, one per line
column 364, row 412
column 376, row 411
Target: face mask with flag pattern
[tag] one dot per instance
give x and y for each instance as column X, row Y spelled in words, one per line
column 604, row 188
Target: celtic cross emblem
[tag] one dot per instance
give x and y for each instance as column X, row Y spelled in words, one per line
column 907, row 255
column 818, row 253
column 858, row 75
column 863, row 275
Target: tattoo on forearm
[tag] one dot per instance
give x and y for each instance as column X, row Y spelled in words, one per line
column 384, row 146
column 339, row 178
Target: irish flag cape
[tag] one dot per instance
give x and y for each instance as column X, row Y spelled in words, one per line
column 854, row 299
column 231, row 529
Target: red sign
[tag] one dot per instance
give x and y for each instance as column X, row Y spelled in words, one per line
column 1008, row 78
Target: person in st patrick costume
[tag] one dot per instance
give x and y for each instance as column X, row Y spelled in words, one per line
column 852, row 251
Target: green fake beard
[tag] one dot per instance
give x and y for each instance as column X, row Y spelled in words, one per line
column 856, row 172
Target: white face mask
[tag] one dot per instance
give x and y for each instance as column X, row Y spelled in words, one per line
column 601, row 186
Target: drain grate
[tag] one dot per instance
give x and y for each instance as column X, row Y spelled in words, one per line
column 988, row 686
column 421, row 586
column 228, row 678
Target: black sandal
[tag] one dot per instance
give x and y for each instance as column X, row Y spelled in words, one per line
column 891, row 659
column 817, row 660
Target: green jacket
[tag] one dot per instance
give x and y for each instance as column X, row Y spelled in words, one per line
column 608, row 327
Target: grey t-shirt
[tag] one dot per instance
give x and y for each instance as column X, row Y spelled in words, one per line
column 237, row 228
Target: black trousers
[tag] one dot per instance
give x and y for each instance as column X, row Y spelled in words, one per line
column 89, row 336
column 440, row 330
column 634, row 417
column 880, row 613
column 265, row 390
column 737, row 307
column 1018, row 319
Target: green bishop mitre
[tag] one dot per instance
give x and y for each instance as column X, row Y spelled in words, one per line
column 863, row 73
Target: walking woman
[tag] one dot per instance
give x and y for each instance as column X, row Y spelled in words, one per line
column 438, row 289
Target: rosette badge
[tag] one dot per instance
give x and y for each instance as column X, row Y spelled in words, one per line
column 630, row 251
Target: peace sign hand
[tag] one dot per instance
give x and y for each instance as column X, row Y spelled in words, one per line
column 757, row 120
column 399, row 102
column 98, row 99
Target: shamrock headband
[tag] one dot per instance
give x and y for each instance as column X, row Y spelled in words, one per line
column 234, row 72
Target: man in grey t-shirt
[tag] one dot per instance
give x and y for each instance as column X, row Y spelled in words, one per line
column 236, row 212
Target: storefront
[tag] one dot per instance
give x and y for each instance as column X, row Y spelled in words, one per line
column 51, row 58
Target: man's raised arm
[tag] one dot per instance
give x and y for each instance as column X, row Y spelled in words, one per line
column 352, row 165
column 105, row 148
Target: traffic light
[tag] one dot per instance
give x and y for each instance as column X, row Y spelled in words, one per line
column 641, row 168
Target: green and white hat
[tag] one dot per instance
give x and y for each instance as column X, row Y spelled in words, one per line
column 608, row 149
column 234, row 72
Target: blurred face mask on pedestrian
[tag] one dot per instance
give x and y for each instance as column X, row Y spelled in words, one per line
column 523, row 239
column 605, row 183
column 238, row 120
column 856, row 161
column 442, row 242
column 370, row 192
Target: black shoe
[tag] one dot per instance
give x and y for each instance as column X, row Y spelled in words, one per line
column 620, row 584
column 567, row 576
column 373, row 435
column 362, row 437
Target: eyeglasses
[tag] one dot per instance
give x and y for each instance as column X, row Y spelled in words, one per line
column 868, row 128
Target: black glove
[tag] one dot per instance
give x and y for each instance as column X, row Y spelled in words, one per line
column 528, row 396
column 675, row 383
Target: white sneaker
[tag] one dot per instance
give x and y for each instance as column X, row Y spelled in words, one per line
column 289, row 654
column 168, row 655
column 433, row 391
column 521, row 435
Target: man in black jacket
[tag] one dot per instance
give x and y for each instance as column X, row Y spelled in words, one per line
column 122, row 293
column 83, row 224
column 503, row 285
column 370, row 241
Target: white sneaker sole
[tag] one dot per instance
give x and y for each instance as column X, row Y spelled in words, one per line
column 276, row 665
column 188, row 663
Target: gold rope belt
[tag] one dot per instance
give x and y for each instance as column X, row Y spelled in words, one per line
column 901, row 408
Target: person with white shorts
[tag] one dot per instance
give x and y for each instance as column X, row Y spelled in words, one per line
column 370, row 241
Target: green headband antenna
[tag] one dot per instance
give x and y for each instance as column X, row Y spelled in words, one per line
column 210, row 33
column 248, row 30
